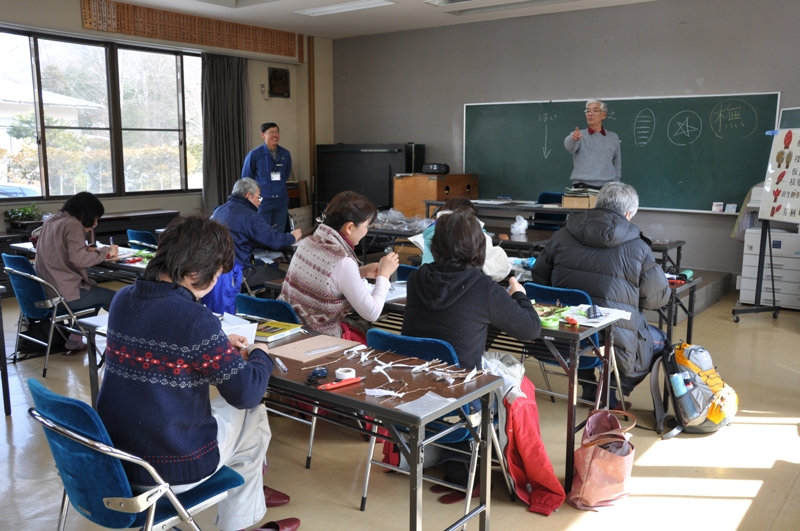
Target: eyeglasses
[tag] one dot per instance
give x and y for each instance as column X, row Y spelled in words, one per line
column 593, row 111
column 259, row 197
column 273, row 133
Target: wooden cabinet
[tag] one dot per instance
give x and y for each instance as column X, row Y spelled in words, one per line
column 409, row 191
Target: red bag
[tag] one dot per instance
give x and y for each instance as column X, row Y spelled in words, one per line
column 603, row 463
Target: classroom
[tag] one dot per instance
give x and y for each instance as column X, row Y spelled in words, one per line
column 356, row 86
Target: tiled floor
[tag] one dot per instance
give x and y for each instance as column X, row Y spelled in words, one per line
column 743, row 478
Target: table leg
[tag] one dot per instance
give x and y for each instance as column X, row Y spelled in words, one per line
column 416, row 436
column 670, row 315
column 4, row 367
column 690, row 316
column 678, row 259
column 486, row 460
column 90, row 351
column 572, row 376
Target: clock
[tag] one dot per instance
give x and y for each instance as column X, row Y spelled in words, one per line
column 278, row 83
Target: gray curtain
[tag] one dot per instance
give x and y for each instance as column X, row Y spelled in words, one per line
column 226, row 127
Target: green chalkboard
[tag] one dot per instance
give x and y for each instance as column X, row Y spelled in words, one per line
column 790, row 118
column 678, row 152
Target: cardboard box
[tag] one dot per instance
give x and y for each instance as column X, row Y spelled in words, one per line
column 409, row 191
column 303, row 218
column 579, row 202
column 405, row 251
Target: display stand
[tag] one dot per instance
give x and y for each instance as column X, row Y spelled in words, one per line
column 766, row 239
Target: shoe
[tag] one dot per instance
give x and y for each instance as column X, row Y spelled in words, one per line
column 75, row 351
column 287, row 524
column 275, row 498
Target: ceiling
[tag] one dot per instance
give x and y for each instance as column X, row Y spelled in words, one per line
column 403, row 15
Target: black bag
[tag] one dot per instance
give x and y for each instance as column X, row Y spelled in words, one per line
column 40, row 330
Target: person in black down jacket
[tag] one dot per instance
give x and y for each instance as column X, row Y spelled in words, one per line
column 453, row 300
column 602, row 253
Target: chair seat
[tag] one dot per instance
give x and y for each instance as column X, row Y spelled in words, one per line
column 225, row 479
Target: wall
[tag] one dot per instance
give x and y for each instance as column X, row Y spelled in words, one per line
column 411, row 86
column 64, row 17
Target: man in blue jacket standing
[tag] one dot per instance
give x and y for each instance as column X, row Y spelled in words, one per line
column 249, row 231
column 271, row 165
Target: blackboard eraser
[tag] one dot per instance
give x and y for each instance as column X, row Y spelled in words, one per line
column 772, row 132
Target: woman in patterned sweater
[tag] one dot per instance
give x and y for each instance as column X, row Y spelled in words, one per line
column 165, row 351
column 324, row 280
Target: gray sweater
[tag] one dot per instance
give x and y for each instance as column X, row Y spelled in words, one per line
column 596, row 158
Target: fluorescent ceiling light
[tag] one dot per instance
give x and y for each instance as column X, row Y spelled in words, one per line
column 343, row 8
column 440, row 3
column 503, row 7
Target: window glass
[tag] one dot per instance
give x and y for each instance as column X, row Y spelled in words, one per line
column 148, row 89
column 19, row 152
column 192, row 82
column 152, row 160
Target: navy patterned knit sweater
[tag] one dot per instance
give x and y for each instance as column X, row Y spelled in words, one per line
column 164, row 351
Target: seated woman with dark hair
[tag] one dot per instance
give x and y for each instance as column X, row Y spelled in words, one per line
column 165, row 351
column 63, row 258
column 324, row 280
column 452, row 300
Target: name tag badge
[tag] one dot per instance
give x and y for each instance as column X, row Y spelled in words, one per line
column 276, row 175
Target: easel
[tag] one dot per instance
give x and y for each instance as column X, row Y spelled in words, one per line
column 766, row 242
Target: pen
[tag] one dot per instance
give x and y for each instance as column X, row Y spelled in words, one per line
column 111, row 240
column 281, row 365
column 341, row 383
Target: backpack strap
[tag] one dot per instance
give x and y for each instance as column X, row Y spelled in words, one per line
column 659, row 407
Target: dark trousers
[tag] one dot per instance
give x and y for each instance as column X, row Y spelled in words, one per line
column 275, row 212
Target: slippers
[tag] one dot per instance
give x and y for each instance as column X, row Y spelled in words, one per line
column 274, row 498
column 458, row 496
column 440, row 489
column 287, row 524
column 74, row 352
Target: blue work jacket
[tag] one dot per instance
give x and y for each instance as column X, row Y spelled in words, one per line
column 259, row 165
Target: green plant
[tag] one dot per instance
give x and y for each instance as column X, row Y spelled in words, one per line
column 28, row 213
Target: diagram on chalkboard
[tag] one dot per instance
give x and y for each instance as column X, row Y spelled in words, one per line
column 684, row 128
column 733, row 118
column 643, row 127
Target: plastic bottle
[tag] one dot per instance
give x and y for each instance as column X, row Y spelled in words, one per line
column 683, row 398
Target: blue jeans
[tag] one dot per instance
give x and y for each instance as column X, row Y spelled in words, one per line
column 93, row 298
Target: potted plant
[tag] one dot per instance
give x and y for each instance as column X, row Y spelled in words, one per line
column 24, row 219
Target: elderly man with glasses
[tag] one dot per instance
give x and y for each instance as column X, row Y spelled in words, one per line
column 595, row 150
column 249, row 231
column 271, row 165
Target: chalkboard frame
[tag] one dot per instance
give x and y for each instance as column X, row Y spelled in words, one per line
column 711, row 161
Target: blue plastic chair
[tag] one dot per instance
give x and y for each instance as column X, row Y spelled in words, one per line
column 274, row 309
column 94, row 481
column 427, row 349
column 35, row 305
column 142, row 240
column 403, row 271
column 541, row 219
column 567, row 297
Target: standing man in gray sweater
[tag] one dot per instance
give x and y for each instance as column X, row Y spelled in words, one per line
column 595, row 151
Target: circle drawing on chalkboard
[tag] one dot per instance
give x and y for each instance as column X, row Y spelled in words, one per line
column 684, row 128
column 733, row 118
column 643, row 127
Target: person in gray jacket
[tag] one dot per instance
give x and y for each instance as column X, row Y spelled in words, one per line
column 602, row 253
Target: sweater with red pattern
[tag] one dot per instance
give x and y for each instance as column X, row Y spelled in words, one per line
column 164, row 351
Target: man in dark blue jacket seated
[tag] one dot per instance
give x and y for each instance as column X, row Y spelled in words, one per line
column 249, row 231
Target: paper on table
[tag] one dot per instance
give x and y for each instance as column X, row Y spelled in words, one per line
column 309, row 349
column 236, row 325
column 609, row 315
column 426, row 404
column 398, row 289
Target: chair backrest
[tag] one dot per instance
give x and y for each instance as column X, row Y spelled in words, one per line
column 88, row 476
column 27, row 290
column 267, row 308
column 548, row 198
column 419, row 347
column 141, row 236
column 551, row 295
column 404, row 270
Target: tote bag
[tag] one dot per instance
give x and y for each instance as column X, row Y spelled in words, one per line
column 604, row 461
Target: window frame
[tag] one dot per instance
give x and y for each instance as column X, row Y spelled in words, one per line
column 115, row 128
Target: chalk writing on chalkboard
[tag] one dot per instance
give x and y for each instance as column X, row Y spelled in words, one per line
column 733, row 118
column 644, row 126
column 684, row 128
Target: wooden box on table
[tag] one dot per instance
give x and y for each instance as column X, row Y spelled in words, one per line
column 409, row 191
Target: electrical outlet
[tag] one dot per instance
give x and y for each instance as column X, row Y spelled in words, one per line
column 263, row 88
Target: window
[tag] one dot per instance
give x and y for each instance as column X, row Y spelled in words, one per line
column 106, row 118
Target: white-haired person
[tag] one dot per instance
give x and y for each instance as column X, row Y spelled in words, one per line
column 596, row 156
column 602, row 253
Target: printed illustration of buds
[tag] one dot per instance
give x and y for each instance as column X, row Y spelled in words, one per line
column 780, row 177
column 776, row 193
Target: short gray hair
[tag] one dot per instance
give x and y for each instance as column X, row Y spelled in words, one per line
column 601, row 103
column 618, row 197
column 245, row 186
